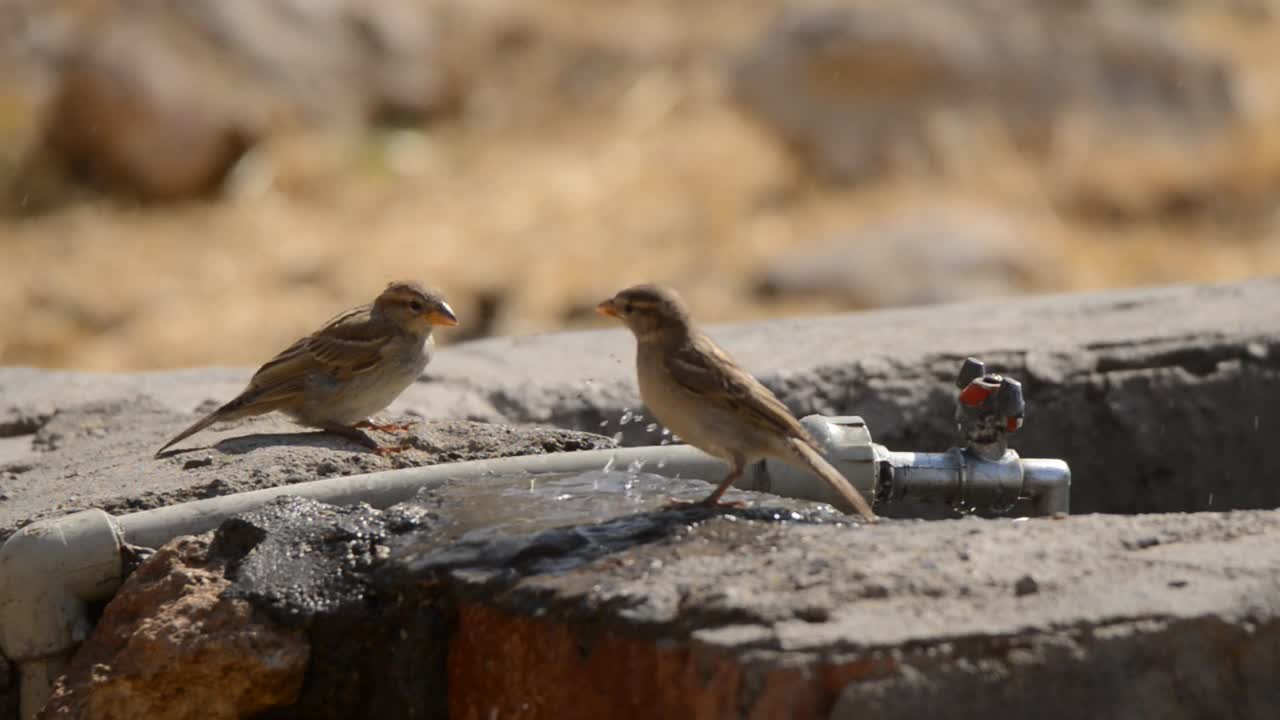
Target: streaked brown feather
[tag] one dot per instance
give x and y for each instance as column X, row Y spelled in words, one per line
column 349, row 344
column 703, row 369
column 357, row 342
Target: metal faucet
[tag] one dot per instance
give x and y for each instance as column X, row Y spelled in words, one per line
column 983, row 472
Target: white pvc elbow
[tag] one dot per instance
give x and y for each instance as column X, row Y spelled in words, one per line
column 50, row 571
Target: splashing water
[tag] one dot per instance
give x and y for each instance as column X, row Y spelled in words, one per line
column 609, row 465
column 635, row 466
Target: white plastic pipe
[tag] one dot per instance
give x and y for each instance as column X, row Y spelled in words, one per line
column 50, row 572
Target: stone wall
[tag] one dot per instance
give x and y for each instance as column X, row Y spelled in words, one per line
column 1161, row 400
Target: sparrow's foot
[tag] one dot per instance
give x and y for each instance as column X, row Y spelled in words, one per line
column 713, row 503
column 386, row 427
column 354, row 435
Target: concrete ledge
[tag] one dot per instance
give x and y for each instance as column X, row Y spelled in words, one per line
column 446, row 607
column 1160, row 399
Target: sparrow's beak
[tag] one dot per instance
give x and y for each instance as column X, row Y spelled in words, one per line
column 608, row 307
column 442, row 315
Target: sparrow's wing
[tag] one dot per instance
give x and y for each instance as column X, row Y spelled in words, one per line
column 348, row 345
column 704, row 370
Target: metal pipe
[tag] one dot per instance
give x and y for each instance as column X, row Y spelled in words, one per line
column 1049, row 482
column 961, row 479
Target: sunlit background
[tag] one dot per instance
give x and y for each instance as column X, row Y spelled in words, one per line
column 201, row 182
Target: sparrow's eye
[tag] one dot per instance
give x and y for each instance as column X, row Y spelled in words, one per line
column 415, row 305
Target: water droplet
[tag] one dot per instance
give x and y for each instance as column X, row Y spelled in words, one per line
column 609, row 465
column 662, row 463
column 651, row 427
column 604, row 423
column 626, row 416
column 617, row 437
column 635, row 466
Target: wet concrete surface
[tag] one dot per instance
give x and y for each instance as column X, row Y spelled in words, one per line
column 371, row 587
column 971, row 613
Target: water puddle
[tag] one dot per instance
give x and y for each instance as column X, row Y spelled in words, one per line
column 556, row 521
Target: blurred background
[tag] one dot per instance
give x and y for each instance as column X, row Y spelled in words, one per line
column 201, row 182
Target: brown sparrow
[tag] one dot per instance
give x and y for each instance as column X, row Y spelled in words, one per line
column 351, row 368
column 699, row 393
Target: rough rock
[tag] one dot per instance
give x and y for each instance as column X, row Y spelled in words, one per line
column 172, row 645
column 143, row 110
column 308, row 566
column 157, row 100
column 860, row 89
column 471, row 601
column 922, row 256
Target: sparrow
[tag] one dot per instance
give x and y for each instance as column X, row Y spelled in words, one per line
column 699, row 393
column 352, row 367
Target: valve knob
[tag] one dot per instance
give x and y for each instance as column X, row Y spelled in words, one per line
column 990, row 396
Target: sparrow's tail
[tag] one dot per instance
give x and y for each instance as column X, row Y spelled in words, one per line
column 823, row 469
column 199, row 425
column 234, row 410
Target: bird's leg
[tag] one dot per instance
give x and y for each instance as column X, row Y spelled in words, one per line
column 351, row 433
column 386, row 427
column 737, row 466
